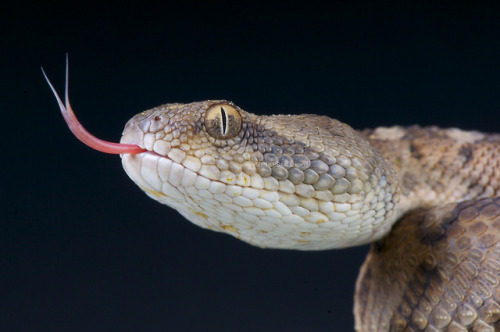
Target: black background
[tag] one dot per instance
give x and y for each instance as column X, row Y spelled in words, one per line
column 83, row 249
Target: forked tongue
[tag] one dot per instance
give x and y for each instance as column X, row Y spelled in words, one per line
column 81, row 133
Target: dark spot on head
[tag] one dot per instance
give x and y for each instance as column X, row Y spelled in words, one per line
column 410, row 181
column 466, row 151
column 414, row 150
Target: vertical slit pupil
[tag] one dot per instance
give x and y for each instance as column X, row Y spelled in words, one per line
column 224, row 121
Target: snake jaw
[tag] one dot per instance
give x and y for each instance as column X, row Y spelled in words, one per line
column 81, row 133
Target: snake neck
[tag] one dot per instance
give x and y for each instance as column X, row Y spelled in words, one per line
column 438, row 166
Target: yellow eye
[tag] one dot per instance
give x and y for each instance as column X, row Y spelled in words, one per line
column 222, row 121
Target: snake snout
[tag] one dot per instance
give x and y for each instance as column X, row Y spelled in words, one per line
column 132, row 134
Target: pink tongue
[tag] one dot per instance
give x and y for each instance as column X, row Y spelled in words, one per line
column 81, row 133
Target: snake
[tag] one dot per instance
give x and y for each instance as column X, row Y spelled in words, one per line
column 426, row 198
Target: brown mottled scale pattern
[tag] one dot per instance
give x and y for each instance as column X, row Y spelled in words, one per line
column 438, row 270
column 437, row 166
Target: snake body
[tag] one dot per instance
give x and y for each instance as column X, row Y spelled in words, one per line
column 310, row 182
column 424, row 197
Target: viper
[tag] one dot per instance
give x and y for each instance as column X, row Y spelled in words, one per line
column 425, row 197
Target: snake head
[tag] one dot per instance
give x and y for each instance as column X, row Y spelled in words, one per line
column 304, row 182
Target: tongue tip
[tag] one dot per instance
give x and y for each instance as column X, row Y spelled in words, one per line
column 81, row 133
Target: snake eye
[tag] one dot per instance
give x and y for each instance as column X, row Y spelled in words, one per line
column 222, row 121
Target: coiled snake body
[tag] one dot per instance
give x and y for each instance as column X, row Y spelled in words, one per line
column 425, row 198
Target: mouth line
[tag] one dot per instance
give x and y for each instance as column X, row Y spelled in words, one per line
column 151, row 152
